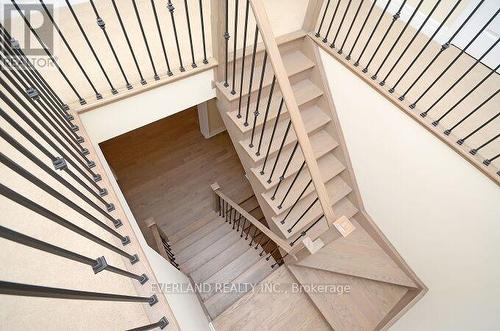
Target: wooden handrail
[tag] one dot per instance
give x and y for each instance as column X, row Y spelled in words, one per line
column 271, row 235
column 294, row 113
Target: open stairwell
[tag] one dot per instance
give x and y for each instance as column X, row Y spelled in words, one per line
column 283, row 172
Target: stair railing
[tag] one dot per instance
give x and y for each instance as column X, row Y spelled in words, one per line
column 429, row 91
column 161, row 242
column 272, row 51
column 51, row 174
column 258, row 234
column 179, row 52
column 252, row 76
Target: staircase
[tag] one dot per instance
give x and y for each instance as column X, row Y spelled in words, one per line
column 214, row 251
column 295, row 164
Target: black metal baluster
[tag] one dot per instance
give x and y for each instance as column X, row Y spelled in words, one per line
column 50, row 116
column 202, row 19
column 125, row 34
column 162, row 324
column 18, row 289
column 322, row 19
column 282, row 177
column 259, row 94
column 409, row 44
column 276, row 121
column 138, row 16
column 60, row 164
column 102, row 25
column 424, row 114
column 462, row 140
column 372, row 33
column 325, row 39
column 243, row 227
column 236, row 3
column 487, row 162
column 394, row 19
column 160, row 34
column 27, row 71
column 477, row 149
column 424, row 47
column 74, row 149
column 436, row 122
column 350, row 27
column 57, row 195
column 188, row 21
column 265, row 246
column 252, row 69
column 58, row 103
column 303, row 233
column 303, row 214
column 448, row 131
column 84, row 34
column 266, row 115
column 84, row 172
column 226, row 43
column 245, row 31
column 296, row 201
column 171, row 9
column 348, row 57
column 98, row 265
column 279, row 151
column 341, row 24
column 442, row 49
column 73, row 55
column 455, row 59
column 49, row 54
column 291, row 185
column 40, row 210
column 415, row 11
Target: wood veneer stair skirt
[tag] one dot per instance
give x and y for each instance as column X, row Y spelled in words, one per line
column 282, row 122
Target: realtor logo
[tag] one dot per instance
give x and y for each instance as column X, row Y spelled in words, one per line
column 39, row 21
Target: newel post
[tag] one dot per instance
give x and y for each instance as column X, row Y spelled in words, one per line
column 218, row 19
column 215, row 187
column 312, row 14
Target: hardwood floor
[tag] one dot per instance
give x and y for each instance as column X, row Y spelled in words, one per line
column 165, row 170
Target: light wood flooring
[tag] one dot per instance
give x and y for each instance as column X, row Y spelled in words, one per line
column 165, row 170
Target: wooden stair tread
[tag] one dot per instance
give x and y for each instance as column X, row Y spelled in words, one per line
column 295, row 62
column 358, row 255
column 279, row 311
column 212, row 266
column 233, row 269
column 329, row 167
column 304, row 91
column 336, row 189
column 313, row 117
column 321, row 143
column 219, row 302
column 190, row 228
column 250, row 204
column 198, row 246
column 363, row 308
column 210, row 252
column 205, row 228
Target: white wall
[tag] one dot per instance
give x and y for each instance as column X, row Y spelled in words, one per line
column 131, row 113
column 440, row 213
